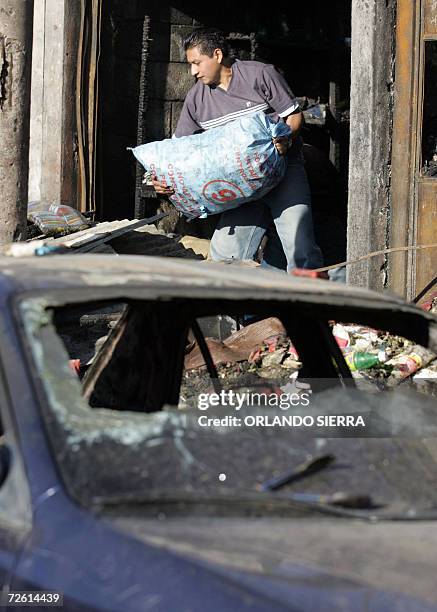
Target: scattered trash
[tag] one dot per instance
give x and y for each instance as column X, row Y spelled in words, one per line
column 74, row 365
column 315, row 114
column 305, row 273
column 405, row 364
column 361, row 337
column 56, row 219
column 200, row 246
column 341, row 335
column 358, row 360
column 291, row 363
column 375, row 358
column 430, row 305
column 425, row 380
column 274, row 358
column 426, row 373
column 35, row 247
column 239, row 346
column 272, row 372
column 275, row 344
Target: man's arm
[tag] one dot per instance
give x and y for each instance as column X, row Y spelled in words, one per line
column 275, row 90
column 294, row 122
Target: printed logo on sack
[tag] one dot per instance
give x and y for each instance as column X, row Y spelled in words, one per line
column 221, row 191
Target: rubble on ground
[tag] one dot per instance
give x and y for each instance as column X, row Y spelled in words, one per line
column 262, row 353
column 124, row 237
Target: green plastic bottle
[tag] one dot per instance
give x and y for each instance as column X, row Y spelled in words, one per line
column 358, row 360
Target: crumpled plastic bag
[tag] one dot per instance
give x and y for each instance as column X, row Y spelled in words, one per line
column 56, row 219
column 221, row 168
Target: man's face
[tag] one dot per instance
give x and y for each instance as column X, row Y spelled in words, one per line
column 203, row 67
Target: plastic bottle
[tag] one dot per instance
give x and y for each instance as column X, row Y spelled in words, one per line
column 358, row 360
column 408, row 363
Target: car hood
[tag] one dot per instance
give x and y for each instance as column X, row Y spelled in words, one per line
column 308, row 563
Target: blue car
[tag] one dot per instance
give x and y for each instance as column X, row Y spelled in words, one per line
column 119, row 493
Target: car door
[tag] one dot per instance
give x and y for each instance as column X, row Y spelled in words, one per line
column 15, row 504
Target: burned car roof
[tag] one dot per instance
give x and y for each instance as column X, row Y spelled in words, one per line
column 69, row 278
column 59, row 271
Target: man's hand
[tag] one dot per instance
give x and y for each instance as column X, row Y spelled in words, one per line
column 282, row 144
column 161, row 187
column 294, row 122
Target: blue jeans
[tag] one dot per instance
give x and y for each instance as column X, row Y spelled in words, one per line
column 239, row 231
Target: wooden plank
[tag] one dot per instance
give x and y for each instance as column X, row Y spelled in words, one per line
column 104, row 232
column 430, row 18
column 426, row 260
column 424, row 263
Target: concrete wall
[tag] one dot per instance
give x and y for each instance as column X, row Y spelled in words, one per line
column 15, row 63
column 373, row 30
column 36, row 102
column 52, row 166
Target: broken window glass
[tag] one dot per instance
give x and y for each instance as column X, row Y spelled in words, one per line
column 125, row 354
column 429, row 124
column 120, row 437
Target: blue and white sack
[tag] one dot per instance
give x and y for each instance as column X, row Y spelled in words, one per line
column 221, row 168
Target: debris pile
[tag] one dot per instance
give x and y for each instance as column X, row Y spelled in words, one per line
column 263, row 351
column 395, row 358
column 127, row 236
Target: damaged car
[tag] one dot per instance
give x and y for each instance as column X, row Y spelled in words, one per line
column 150, row 460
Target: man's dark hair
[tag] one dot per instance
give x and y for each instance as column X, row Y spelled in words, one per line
column 207, row 39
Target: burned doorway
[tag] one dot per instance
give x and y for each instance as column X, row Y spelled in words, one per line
column 308, row 42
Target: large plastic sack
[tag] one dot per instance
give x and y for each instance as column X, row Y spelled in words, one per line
column 221, row 168
column 56, row 219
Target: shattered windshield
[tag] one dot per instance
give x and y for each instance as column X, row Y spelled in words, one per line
column 146, row 403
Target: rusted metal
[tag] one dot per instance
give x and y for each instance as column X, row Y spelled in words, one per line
column 426, row 261
column 404, row 120
column 425, row 187
column 414, row 197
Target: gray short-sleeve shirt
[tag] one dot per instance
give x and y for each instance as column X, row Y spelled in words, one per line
column 254, row 87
